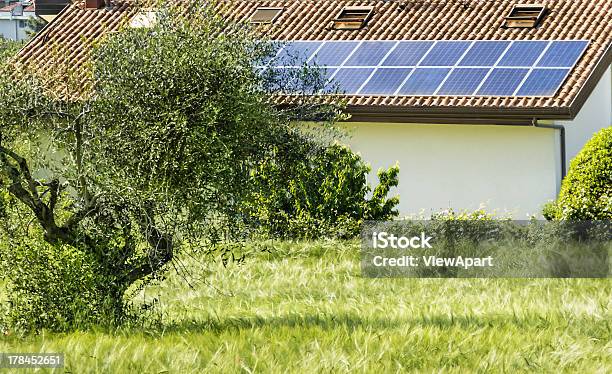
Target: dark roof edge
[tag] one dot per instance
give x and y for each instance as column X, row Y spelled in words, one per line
column 442, row 120
column 454, row 114
column 602, row 65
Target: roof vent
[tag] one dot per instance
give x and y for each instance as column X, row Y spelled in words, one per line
column 525, row 16
column 265, row 15
column 353, row 17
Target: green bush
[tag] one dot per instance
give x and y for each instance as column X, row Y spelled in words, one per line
column 318, row 194
column 50, row 286
column 586, row 192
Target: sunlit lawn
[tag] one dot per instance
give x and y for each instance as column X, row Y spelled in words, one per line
column 305, row 308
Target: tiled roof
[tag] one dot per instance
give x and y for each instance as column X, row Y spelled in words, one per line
column 9, row 7
column 74, row 30
column 67, row 41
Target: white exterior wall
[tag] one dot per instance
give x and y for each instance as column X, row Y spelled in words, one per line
column 11, row 27
column 513, row 170
column 22, row 33
column 595, row 115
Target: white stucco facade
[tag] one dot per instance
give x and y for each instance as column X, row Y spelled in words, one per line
column 511, row 170
column 13, row 29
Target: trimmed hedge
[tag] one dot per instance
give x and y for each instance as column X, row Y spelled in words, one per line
column 586, row 192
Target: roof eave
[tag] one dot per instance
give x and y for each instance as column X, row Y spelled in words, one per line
column 602, row 65
column 360, row 113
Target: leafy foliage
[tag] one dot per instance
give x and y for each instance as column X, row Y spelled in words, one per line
column 586, row 192
column 34, row 25
column 8, row 48
column 51, row 286
column 320, row 192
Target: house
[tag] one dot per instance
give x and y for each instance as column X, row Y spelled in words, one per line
column 13, row 19
column 480, row 102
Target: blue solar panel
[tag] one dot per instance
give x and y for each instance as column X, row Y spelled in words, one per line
column 385, row 81
column 484, row 53
column 523, row 53
column 296, row 53
column 334, row 53
column 272, row 49
column 369, row 53
column 445, row 53
column 283, row 79
column 350, row 79
column 502, row 82
column 424, row 81
column 327, row 72
column 463, row 81
column 297, row 80
column 407, row 53
column 563, row 53
column 491, row 68
column 326, row 81
column 543, row 82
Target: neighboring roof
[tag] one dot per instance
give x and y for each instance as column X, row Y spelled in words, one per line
column 74, row 29
column 9, row 7
column 13, row 5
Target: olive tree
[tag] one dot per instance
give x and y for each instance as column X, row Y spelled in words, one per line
column 133, row 164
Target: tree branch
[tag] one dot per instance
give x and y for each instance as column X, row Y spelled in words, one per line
column 78, row 134
column 16, row 187
column 90, row 208
column 54, row 187
column 53, row 190
column 161, row 250
column 25, row 171
column 43, row 213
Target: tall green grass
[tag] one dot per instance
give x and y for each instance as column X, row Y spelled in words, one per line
column 304, row 308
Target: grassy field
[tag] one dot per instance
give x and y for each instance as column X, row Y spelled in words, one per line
column 305, row 308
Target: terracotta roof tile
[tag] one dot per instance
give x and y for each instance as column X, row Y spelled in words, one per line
column 9, row 7
column 73, row 31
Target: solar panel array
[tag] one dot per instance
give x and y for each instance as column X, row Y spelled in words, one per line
column 438, row 68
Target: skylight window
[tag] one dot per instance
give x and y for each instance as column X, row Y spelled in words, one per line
column 525, row 16
column 353, row 18
column 265, row 15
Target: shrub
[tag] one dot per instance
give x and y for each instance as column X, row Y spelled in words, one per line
column 53, row 286
column 50, row 286
column 586, row 192
column 318, row 194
